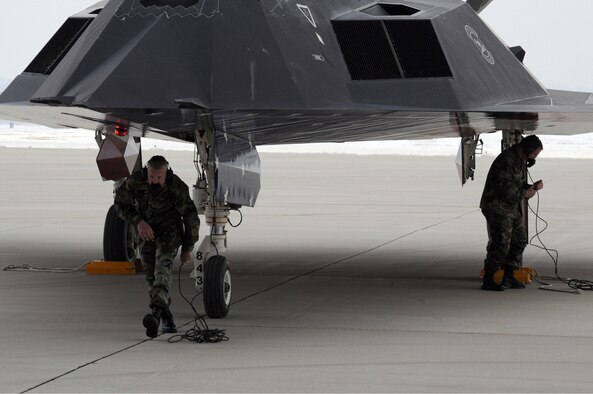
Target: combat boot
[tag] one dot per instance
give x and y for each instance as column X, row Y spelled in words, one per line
column 151, row 322
column 488, row 283
column 168, row 323
column 509, row 280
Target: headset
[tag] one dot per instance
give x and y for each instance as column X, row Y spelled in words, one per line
column 530, row 144
column 157, row 161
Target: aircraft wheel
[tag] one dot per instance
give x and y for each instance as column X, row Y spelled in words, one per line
column 119, row 238
column 217, row 287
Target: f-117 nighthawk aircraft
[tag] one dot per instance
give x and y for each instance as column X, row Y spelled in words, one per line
column 230, row 75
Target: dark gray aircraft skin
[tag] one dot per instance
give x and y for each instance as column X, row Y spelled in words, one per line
column 230, row 75
column 283, row 71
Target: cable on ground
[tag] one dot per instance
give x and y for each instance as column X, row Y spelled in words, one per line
column 577, row 285
column 31, row 268
column 200, row 332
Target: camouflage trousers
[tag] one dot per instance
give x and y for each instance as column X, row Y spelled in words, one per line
column 507, row 240
column 157, row 262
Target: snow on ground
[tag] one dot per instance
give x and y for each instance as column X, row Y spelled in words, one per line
column 33, row 136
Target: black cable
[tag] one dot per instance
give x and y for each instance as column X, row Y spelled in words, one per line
column 576, row 284
column 200, row 332
column 240, row 220
column 214, row 224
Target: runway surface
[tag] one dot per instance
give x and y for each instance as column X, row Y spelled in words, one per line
column 351, row 274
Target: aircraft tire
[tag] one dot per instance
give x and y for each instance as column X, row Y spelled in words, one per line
column 217, row 287
column 118, row 238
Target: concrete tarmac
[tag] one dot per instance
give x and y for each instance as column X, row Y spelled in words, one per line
column 351, row 274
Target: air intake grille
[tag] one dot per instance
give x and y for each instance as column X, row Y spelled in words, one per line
column 391, row 49
column 418, row 49
column 366, row 49
column 58, row 46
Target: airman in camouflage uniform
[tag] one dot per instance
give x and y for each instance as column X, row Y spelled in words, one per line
column 158, row 203
column 504, row 191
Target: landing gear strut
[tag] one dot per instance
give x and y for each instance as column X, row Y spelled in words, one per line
column 212, row 272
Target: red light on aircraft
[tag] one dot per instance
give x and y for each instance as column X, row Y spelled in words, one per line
column 121, row 130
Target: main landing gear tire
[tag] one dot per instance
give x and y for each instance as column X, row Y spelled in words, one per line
column 119, row 238
column 217, row 287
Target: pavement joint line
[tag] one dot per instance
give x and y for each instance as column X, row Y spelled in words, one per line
column 410, row 331
column 352, row 256
column 85, row 365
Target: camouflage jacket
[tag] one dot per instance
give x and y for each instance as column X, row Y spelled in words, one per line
column 505, row 185
column 169, row 210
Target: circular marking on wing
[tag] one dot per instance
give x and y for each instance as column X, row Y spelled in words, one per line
column 471, row 33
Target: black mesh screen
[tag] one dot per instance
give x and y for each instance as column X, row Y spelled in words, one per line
column 366, row 49
column 370, row 48
column 58, row 46
column 418, row 49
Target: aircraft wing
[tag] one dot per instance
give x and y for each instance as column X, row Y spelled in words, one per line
column 275, row 72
